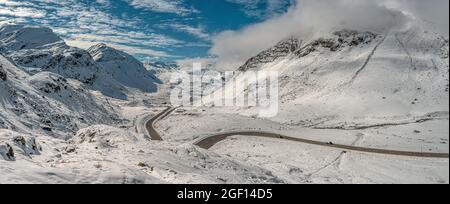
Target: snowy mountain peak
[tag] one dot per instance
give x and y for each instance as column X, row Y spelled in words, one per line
column 124, row 68
column 103, row 53
column 39, row 49
column 338, row 41
column 159, row 67
column 7, row 29
column 112, row 72
column 402, row 72
column 282, row 49
column 19, row 37
column 333, row 42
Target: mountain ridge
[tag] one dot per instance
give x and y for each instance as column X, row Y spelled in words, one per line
column 347, row 75
column 113, row 77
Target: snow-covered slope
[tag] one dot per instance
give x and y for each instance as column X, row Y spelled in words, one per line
column 104, row 154
column 58, row 58
column 105, row 69
column 124, row 68
column 161, row 67
column 17, row 37
column 357, row 77
column 280, row 50
column 361, row 88
column 382, row 90
column 47, row 103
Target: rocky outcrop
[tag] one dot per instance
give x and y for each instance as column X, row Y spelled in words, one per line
column 339, row 40
column 7, row 152
column 282, row 49
column 3, row 75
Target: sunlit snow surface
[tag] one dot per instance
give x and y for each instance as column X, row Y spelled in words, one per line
column 390, row 93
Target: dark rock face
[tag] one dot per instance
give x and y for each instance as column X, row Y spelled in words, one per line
column 339, row 40
column 282, row 49
column 10, row 152
column 55, row 86
column 444, row 49
column 3, row 76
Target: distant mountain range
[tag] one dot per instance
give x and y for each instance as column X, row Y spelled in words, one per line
column 113, row 72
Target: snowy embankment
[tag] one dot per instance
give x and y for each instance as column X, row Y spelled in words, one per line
column 104, row 154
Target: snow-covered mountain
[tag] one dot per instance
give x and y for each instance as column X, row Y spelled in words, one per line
column 47, row 86
column 339, row 40
column 124, row 68
column 159, row 65
column 282, row 49
column 347, row 76
column 19, row 37
column 39, row 49
column 47, row 103
column 87, row 146
column 360, row 88
column 102, row 68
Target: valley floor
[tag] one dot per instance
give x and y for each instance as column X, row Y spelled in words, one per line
column 104, row 154
column 302, row 163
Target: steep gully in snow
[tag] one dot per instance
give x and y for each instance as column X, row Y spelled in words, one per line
column 367, row 60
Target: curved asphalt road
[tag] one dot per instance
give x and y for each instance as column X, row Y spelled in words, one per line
column 150, row 124
column 210, row 141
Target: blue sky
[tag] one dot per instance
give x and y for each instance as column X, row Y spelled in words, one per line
column 160, row 29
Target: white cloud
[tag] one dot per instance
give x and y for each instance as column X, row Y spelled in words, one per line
column 12, row 3
column 187, row 64
column 262, row 8
column 198, row 31
column 151, row 40
column 22, row 12
column 164, row 6
column 83, row 25
column 104, row 2
column 250, row 7
column 310, row 16
column 20, row 9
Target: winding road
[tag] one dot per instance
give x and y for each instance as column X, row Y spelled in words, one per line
column 150, row 124
column 210, row 141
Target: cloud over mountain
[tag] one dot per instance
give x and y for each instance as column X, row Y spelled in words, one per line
column 307, row 17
